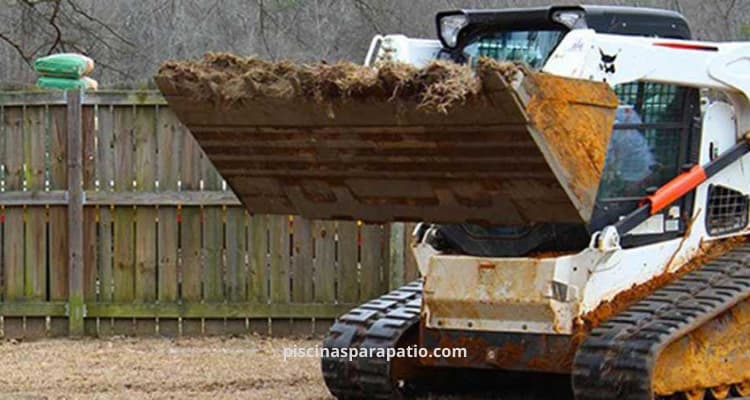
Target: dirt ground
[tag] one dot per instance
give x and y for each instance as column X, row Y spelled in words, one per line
column 129, row 368
column 200, row 368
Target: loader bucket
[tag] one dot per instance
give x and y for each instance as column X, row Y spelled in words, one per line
column 501, row 145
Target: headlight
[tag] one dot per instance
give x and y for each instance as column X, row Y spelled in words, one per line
column 450, row 27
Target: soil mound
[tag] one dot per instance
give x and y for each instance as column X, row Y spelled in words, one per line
column 227, row 79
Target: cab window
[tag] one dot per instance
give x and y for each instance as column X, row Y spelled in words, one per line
column 644, row 149
column 532, row 48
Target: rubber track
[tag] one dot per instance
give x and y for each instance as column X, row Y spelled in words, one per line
column 617, row 359
column 379, row 323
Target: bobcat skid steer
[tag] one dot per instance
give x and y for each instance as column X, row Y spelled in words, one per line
column 584, row 218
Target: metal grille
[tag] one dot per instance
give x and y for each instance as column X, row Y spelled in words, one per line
column 659, row 106
column 655, row 102
column 657, row 113
column 727, row 211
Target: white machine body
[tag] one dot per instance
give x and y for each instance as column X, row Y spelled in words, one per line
column 550, row 294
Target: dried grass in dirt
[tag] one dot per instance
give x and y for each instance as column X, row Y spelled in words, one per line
column 226, row 79
column 141, row 368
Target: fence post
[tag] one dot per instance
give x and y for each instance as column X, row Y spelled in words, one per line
column 76, row 308
column 396, row 256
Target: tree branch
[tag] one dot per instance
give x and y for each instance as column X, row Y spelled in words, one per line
column 52, row 22
column 17, row 47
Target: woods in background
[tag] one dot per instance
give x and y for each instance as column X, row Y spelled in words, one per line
column 129, row 39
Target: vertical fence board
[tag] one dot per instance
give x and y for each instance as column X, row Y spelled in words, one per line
column 3, row 162
column 145, row 180
column 90, row 223
column 324, row 261
column 124, row 249
column 347, row 271
column 168, row 169
column 14, row 243
column 258, row 258
column 371, row 259
column 213, row 245
column 190, row 233
column 58, row 218
column 35, row 269
column 75, row 215
column 235, row 254
column 213, row 238
column 105, row 165
column 279, row 258
column 302, row 288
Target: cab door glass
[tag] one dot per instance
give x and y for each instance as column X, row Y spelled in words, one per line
column 644, row 150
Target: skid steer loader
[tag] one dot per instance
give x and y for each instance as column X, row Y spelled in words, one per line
column 584, row 217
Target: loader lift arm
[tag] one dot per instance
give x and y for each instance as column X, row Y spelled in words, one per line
column 669, row 193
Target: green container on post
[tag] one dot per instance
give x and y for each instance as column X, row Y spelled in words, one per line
column 52, row 82
column 65, row 65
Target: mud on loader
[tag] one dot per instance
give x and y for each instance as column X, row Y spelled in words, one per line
column 586, row 215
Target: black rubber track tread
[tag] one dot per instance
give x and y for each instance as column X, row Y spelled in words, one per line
column 379, row 323
column 617, row 359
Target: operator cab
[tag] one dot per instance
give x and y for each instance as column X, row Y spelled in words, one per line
column 654, row 134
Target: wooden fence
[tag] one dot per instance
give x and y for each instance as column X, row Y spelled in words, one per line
column 114, row 222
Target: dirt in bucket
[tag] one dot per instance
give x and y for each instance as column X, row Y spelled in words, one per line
column 227, row 79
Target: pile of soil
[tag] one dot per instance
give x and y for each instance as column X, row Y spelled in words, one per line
column 226, row 79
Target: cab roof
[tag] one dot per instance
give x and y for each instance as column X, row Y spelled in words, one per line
column 623, row 20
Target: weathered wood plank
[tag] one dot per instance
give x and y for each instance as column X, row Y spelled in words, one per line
column 278, row 228
column 105, row 152
column 90, row 227
column 35, row 242
column 32, row 308
column 76, row 309
column 124, row 237
column 33, row 198
column 302, row 288
column 166, row 198
column 168, row 169
column 104, row 97
column 396, row 255
column 13, row 254
column 145, row 181
column 109, row 198
column 58, row 253
column 89, row 147
column 213, row 237
column 145, row 256
column 218, row 310
column 105, row 259
column 235, row 254
column 324, row 263
column 13, row 260
column 190, row 244
column 371, row 261
column 58, row 152
column 26, row 98
column 347, row 272
column 58, row 216
column 104, row 170
column 258, row 268
column 190, row 233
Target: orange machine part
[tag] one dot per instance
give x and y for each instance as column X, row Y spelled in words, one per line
column 676, row 188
